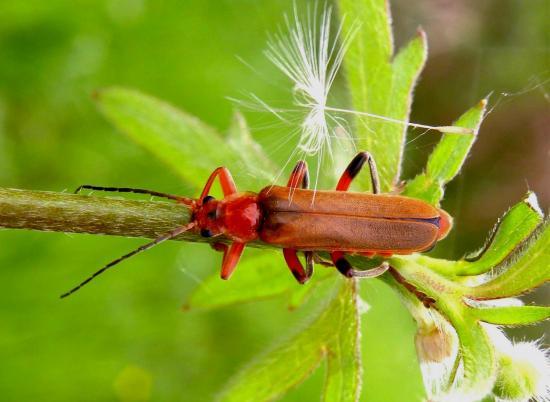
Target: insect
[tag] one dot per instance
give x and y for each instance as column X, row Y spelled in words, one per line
column 301, row 220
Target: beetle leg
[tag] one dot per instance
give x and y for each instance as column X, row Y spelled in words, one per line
column 219, row 247
column 371, row 273
column 299, row 176
column 231, row 257
column 340, row 262
column 309, row 262
column 346, row 269
column 226, row 181
column 354, row 168
column 296, row 266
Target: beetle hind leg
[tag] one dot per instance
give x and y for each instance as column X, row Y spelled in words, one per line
column 345, row 268
column 299, row 178
column 353, row 170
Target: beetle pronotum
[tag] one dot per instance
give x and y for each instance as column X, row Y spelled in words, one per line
column 301, row 220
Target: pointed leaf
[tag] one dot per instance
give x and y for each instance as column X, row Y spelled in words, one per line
column 478, row 357
column 261, row 276
column 298, row 295
column 293, row 360
column 190, row 147
column 513, row 315
column 509, row 233
column 343, row 377
column 530, row 270
column 447, row 158
column 378, row 86
column 240, row 139
column 273, row 374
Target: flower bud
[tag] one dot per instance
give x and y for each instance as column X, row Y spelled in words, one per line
column 433, row 344
column 523, row 373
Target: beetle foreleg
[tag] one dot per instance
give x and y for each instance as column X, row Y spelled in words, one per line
column 296, row 267
column 226, row 181
column 353, row 170
column 231, row 256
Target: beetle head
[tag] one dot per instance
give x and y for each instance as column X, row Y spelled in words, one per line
column 206, row 216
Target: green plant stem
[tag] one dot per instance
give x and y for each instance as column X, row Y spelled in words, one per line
column 75, row 213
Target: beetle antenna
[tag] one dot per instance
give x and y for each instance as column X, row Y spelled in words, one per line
column 167, row 236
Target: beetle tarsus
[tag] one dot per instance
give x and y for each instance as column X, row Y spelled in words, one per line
column 371, row 273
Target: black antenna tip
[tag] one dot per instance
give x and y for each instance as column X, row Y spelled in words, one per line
column 64, row 295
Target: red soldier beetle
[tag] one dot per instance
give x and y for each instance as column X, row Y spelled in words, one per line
column 301, row 220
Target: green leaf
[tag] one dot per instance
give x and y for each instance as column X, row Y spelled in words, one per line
column 509, row 233
column 252, row 153
column 476, row 350
column 270, row 376
column 343, row 377
column 447, row 158
column 379, row 86
column 478, row 356
column 262, row 275
column 190, row 147
column 528, row 271
column 293, row 360
column 512, row 315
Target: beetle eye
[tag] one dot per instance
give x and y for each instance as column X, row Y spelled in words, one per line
column 207, row 199
column 206, row 233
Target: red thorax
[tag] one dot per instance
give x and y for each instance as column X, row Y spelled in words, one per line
column 236, row 216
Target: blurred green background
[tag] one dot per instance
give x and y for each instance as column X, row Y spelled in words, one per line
column 125, row 337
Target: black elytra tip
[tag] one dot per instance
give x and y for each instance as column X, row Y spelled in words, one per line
column 356, row 164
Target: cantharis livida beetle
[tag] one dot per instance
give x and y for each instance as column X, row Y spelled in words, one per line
column 301, row 220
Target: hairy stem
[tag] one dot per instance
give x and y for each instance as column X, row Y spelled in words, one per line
column 62, row 212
